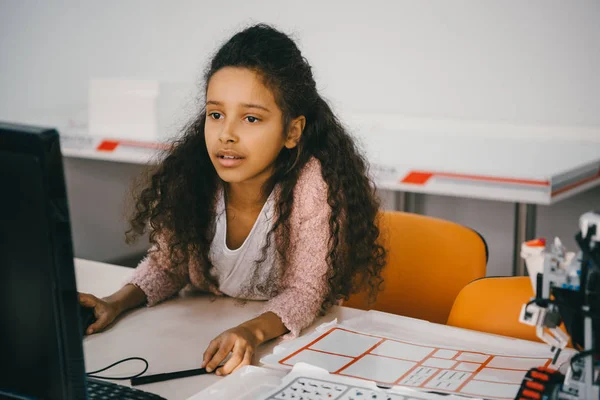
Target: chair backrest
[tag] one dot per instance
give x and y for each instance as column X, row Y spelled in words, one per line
column 430, row 260
column 493, row 305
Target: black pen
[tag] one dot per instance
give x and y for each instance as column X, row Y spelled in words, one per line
column 142, row 380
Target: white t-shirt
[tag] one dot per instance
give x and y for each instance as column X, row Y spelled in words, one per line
column 233, row 269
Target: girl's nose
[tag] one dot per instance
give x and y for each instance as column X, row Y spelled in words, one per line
column 227, row 134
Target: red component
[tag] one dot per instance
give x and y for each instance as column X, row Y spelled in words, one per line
column 531, row 394
column 540, row 376
column 536, row 386
column 541, row 242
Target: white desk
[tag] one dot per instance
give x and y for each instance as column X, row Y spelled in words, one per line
column 172, row 336
column 517, row 170
column 525, row 171
column 111, row 149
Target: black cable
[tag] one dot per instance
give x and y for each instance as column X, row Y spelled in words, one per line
column 583, row 354
column 92, row 374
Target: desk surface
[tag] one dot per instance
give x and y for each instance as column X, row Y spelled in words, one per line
column 172, row 336
column 525, row 170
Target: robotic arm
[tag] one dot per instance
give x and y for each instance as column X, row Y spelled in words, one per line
column 567, row 288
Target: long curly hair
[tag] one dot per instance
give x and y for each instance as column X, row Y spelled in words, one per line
column 177, row 205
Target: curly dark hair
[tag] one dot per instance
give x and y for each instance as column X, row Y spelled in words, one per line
column 178, row 203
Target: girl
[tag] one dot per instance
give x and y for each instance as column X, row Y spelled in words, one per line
column 264, row 197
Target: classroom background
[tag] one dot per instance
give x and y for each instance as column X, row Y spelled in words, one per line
column 524, row 68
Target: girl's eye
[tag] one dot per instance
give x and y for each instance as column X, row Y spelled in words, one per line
column 215, row 115
column 252, row 119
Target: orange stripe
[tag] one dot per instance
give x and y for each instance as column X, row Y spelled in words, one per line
column 422, row 177
column 481, row 367
column 574, row 185
column 359, row 357
column 111, row 145
column 150, row 145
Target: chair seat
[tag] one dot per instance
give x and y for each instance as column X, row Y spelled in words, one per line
column 493, row 305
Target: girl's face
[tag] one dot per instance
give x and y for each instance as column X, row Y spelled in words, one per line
column 244, row 126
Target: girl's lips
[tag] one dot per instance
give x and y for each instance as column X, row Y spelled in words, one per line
column 229, row 162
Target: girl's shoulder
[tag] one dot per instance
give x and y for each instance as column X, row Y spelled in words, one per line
column 311, row 174
column 311, row 189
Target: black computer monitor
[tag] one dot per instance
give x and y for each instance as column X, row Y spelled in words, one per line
column 40, row 334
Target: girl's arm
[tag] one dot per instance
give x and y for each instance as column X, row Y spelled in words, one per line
column 126, row 298
column 156, row 276
column 265, row 327
column 156, row 279
column 241, row 342
column 152, row 282
column 305, row 283
column 109, row 308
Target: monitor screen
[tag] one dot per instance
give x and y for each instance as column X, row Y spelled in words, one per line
column 40, row 339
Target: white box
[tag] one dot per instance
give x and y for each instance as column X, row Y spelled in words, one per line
column 124, row 109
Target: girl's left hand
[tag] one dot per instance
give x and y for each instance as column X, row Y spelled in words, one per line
column 239, row 341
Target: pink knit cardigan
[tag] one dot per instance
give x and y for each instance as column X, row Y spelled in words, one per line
column 304, row 284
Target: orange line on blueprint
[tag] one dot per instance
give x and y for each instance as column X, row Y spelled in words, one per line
column 470, row 378
column 417, row 365
column 330, row 353
column 363, row 334
column 282, row 361
column 359, row 357
column 426, row 381
column 398, row 358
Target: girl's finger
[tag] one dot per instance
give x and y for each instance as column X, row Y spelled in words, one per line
column 210, row 351
column 237, row 355
column 98, row 325
column 87, row 300
column 220, row 355
column 247, row 360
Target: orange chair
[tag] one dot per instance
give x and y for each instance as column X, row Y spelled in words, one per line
column 493, row 305
column 429, row 261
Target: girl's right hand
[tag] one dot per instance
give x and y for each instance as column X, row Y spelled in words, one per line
column 105, row 312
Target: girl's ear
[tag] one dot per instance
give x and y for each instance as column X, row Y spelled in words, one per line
column 295, row 132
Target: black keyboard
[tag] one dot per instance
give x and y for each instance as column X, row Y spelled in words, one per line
column 101, row 390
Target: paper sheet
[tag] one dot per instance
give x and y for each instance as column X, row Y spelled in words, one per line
column 466, row 367
column 247, row 383
column 306, row 382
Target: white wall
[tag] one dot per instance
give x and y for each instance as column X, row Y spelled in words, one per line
column 533, row 62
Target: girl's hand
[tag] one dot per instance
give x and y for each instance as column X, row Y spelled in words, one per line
column 239, row 341
column 105, row 312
